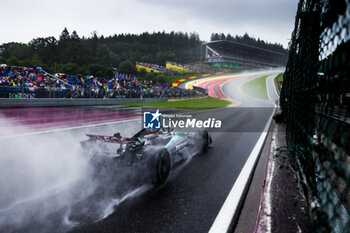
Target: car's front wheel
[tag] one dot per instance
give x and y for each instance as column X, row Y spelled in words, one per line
column 163, row 166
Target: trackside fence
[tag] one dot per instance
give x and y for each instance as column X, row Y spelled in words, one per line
column 315, row 100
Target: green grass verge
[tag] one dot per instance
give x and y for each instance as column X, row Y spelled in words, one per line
column 280, row 77
column 256, row 87
column 277, row 80
column 207, row 103
column 174, row 78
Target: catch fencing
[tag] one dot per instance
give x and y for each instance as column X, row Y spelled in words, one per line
column 315, row 100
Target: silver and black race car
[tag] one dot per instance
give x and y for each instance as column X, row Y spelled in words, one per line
column 161, row 149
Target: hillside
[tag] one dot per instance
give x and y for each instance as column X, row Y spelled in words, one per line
column 98, row 55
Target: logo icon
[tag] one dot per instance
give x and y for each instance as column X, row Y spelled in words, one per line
column 151, row 120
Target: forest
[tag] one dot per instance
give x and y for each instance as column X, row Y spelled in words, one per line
column 98, row 55
column 246, row 39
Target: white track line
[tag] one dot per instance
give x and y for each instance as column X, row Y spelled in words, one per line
column 68, row 128
column 270, row 81
column 231, row 206
column 267, row 87
column 274, row 85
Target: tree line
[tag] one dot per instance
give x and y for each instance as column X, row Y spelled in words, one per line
column 246, row 39
column 98, row 55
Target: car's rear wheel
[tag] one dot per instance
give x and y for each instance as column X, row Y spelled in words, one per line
column 163, row 166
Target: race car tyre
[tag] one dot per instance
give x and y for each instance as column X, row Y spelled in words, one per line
column 206, row 141
column 163, row 166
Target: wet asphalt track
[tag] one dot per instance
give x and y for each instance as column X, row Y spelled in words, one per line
column 192, row 198
column 196, row 189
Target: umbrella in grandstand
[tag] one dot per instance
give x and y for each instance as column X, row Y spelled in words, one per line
column 59, row 74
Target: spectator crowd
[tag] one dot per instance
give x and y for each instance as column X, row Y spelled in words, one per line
column 40, row 84
column 172, row 68
column 183, row 67
column 152, row 66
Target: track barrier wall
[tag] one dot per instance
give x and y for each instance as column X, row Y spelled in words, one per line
column 55, row 102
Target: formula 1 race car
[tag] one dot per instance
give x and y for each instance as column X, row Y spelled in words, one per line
column 161, row 148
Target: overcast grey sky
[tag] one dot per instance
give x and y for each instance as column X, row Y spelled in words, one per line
column 270, row 20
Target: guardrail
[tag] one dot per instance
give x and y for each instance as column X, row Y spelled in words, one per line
column 17, row 92
column 57, row 102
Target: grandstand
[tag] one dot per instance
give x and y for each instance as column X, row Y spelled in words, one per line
column 234, row 55
column 150, row 67
column 170, row 68
column 23, row 82
column 180, row 68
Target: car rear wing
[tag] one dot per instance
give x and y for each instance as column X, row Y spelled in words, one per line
column 110, row 139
